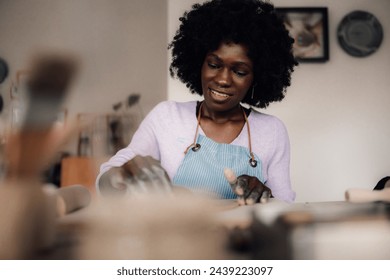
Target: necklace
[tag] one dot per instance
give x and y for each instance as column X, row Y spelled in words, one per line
column 196, row 146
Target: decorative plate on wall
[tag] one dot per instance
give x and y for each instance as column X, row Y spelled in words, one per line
column 3, row 70
column 360, row 33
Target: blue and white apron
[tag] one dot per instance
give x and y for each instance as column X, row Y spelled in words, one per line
column 202, row 169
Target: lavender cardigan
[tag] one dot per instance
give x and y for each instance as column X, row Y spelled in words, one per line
column 170, row 127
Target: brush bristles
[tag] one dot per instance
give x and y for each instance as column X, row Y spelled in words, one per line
column 51, row 74
column 47, row 84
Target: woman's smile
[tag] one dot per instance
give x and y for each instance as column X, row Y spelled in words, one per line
column 219, row 95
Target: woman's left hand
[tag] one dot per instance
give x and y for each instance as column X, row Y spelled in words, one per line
column 250, row 190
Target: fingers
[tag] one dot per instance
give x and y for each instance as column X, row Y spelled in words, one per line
column 147, row 176
column 134, row 166
column 254, row 196
column 249, row 193
column 250, row 190
column 260, row 193
column 113, row 182
column 163, row 177
column 238, row 185
column 265, row 196
column 242, row 186
column 117, row 181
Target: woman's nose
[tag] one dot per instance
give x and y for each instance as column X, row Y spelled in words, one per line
column 223, row 78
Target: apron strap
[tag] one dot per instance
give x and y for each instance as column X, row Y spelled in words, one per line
column 195, row 146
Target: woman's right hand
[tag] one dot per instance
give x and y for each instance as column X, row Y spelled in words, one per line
column 139, row 175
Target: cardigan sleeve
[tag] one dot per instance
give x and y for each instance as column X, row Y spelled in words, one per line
column 143, row 143
column 164, row 134
column 279, row 165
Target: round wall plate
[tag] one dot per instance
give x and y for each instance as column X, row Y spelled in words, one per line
column 360, row 33
column 3, row 70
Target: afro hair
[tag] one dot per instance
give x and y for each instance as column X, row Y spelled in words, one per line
column 250, row 22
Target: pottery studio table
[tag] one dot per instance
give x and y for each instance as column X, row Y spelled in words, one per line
column 274, row 230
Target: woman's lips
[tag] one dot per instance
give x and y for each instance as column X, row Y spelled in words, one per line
column 219, row 95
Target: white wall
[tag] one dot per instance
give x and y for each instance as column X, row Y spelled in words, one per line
column 337, row 112
column 122, row 44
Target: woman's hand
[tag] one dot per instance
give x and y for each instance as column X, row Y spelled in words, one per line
column 138, row 176
column 249, row 189
column 147, row 175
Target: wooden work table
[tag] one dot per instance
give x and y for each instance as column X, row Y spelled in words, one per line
column 156, row 228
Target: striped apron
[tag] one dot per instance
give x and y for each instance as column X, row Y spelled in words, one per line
column 202, row 170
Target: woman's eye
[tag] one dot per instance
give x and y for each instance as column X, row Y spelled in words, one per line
column 240, row 73
column 212, row 65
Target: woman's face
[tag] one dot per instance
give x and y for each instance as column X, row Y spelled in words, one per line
column 227, row 75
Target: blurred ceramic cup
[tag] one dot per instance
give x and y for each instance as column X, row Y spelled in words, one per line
column 153, row 227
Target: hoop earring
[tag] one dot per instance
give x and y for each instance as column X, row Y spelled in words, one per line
column 253, row 92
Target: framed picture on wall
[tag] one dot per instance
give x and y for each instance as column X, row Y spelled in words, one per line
column 309, row 28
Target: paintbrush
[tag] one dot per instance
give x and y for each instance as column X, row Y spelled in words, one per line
column 27, row 214
column 48, row 81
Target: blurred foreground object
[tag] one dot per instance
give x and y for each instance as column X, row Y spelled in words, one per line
column 28, row 212
column 34, row 145
column 310, row 231
column 79, row 170
column 3, row 126
column 153, row 227
column 72, row 198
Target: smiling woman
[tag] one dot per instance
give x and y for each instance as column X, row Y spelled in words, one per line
column 231, row 52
